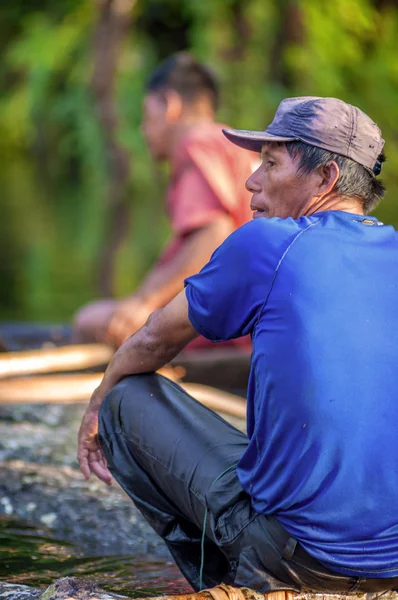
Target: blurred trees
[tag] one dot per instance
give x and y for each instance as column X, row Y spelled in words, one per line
column 55, row 168
column 113, row 23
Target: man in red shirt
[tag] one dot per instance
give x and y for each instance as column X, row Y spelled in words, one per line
column 205, row 201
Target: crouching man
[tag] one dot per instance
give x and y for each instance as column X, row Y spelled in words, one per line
column 307, row 500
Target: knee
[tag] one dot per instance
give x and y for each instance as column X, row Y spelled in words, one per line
column 110, row 412
column 123, row 404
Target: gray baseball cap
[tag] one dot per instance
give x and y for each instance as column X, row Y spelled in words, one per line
column 327, row 123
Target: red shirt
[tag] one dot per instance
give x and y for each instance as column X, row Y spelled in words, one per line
column 208, row 175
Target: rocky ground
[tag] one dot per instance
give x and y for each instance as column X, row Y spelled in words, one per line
column 41, row 487
column 41, row 484
column 97, row 519
column 41, row 433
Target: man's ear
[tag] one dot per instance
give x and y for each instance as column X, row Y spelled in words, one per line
column 174, row 106
column 329, row 176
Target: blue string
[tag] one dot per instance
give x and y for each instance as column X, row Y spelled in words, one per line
column 202, row 544
column 202, row 549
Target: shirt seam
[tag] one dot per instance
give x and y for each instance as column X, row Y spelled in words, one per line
column 278, row 267
column 255, row 433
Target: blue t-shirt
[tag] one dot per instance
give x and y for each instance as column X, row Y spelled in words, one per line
column 319, row 296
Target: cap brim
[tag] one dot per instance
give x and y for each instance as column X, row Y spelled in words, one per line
column 253, row 140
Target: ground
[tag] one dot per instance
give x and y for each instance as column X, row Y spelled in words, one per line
column 40, row 485
column 36, row 485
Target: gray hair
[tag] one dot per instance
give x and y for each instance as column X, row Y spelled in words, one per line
column 354, row 179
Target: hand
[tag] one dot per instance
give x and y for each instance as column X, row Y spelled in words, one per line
column 89, row 453
column 91, row 321
column 129, row 315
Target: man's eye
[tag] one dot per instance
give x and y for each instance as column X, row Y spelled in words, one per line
column 270, row 163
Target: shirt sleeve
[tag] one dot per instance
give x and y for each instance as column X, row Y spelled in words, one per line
column 226, row 298
column 193, row 202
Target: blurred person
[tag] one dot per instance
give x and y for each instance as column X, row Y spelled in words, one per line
column 307, row 500
column 205, row 201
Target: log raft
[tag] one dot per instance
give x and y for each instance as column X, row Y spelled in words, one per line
column 77, row 388
column 66, row 358
column 226, row 369
column 39, row 376
column 73, row 588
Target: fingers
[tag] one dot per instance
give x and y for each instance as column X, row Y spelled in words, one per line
column 99, row 467
column 93, row 461
column 101, row 472
column 90, row 456
column 82, row 457
column 111, row 326
column 117, row 334
column 113, row 331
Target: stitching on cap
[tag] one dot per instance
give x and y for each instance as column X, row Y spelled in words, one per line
column 352, row 115
column 304, row 108
column 295, row 118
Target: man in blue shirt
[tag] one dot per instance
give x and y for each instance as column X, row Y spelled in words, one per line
column 307, row 500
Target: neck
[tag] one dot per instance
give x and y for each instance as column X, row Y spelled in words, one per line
column 202, row 115
column 334, row 202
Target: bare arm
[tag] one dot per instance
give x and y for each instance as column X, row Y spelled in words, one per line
column 167, row 331
column 165, row 334
column 165, row 281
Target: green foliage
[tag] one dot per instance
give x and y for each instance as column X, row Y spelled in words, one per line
column 52, row 168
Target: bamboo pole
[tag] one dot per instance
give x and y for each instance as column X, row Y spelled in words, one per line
column 66, row 358
column 217, row 400
column 219, row 368
column 77, row 388
column 62, row 389
column 227, row 592
column 73, row 588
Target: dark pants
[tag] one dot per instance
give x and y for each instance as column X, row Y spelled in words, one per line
column 176, row 459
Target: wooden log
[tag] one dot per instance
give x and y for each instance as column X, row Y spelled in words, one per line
column 37, row 389
column 77, row 388
column 225, row 368
column 73, row 588
column 217, row 400
column 81, row 588
column 67, row 358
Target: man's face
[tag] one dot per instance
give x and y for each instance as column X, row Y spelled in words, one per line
column 155, row 126
column 277, row 188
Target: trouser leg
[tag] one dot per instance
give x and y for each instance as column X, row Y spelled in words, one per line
column 166, row 449
column 175, row 458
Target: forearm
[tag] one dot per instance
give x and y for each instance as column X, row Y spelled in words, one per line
column 163, row 336
column 165, row 281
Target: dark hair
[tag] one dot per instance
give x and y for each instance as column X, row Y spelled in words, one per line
column 184, row 74
column 354, row 179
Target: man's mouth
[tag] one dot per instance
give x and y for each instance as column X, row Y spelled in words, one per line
column 257, row 212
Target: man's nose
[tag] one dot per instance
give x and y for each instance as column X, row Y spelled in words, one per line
column 253, row 184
